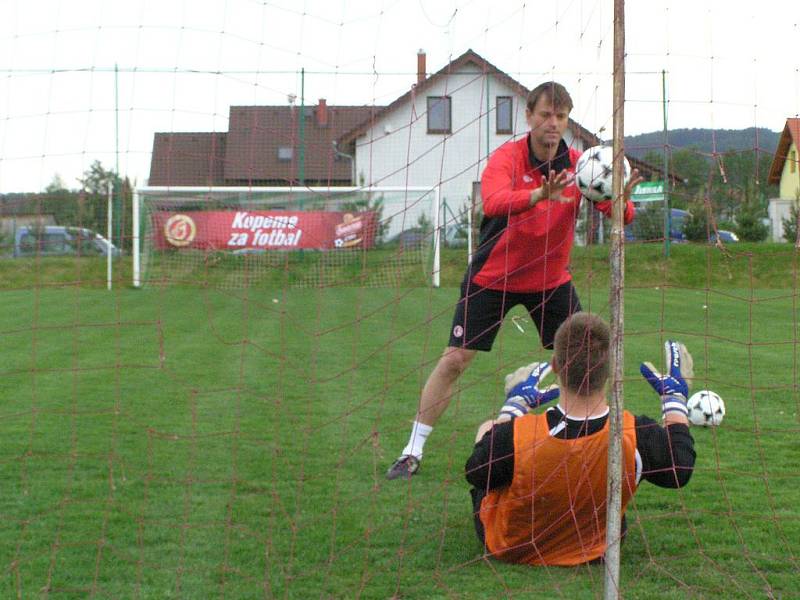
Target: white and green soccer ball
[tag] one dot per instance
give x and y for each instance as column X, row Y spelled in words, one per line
column 593, row 173
column 706, row 408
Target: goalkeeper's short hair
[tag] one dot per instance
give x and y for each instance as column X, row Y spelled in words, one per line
column 581, row 353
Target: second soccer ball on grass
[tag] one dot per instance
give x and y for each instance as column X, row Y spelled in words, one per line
column 706, row 408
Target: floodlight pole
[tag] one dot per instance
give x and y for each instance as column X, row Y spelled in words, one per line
column 617, row 260
column 437, row 237
column 488, row 124
column 667, row 211
column 118, row 213
column 109, row 230
column 137, row 281
column 469, row 232
column 301, row 160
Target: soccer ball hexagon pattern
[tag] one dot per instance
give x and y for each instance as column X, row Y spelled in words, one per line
column 706, row 408
column 593, row 173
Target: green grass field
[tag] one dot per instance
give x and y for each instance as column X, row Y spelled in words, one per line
column 191, row 442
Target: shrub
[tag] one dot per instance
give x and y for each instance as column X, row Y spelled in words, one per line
column 790, row 224
column 749, row 226
column 649, row 223
column 695, row 227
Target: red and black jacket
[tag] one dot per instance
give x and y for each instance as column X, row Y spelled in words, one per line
column 524, row 248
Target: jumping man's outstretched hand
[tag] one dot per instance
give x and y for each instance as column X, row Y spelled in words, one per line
column 552, row 186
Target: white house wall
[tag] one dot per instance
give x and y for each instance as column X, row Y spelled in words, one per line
column 790, row 176
column 778, row 210
column 398, row 151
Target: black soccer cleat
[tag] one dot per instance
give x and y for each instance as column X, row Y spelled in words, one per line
column 403, row 468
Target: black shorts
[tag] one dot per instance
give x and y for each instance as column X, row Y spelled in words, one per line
column 480, row 311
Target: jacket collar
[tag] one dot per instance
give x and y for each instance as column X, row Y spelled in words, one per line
column 560, row 162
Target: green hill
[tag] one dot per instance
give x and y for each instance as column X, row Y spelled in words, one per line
column 705, row 140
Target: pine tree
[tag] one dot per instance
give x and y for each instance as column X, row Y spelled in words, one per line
column 749, row 214
column 695, row 227
column 790, row 225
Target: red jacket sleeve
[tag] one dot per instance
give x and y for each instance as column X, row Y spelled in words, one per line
column 605, row 207
column 499, row 197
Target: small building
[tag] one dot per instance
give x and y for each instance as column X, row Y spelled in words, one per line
column 264, row 146
column 443, row 129
column 785, row 173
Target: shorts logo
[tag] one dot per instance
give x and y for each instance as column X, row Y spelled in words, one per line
column 180, row 230
column 458, row 331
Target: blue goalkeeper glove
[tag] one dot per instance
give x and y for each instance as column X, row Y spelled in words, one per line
column 523, row 392
column 673, row 387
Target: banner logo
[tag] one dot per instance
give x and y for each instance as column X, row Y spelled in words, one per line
column 348, row 232
column 180, row 230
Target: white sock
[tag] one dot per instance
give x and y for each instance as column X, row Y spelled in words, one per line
column 419, row 433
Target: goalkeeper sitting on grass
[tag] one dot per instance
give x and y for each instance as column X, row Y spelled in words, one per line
column 539, row 480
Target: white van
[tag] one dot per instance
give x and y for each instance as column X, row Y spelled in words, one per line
column 56, row 240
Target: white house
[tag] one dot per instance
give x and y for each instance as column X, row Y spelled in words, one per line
column 441, row 132
column 785, row 173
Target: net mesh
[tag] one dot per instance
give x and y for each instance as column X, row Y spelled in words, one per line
column 289, row 237
column 225, row 430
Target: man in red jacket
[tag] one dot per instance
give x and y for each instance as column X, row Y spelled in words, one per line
column 530, row 206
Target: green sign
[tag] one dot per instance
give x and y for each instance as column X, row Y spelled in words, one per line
column 649, row 191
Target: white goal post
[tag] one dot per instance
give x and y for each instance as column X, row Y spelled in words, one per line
column 176, row 228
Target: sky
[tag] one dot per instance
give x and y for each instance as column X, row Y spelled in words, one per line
column 94, row 80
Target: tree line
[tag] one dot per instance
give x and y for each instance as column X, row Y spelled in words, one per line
column 720, row 191
column 86, row 206
column 723, row 191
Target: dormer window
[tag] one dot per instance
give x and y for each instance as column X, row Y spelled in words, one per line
column 503, row 115
column 439, row 114
column 285, row 153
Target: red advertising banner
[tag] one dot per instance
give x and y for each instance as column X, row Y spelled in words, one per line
column 263, row 230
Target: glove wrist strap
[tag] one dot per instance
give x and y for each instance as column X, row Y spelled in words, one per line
column 674, row 404
column 514, row 407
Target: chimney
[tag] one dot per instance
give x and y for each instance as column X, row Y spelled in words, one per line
column 420, row 66
column 322, row 113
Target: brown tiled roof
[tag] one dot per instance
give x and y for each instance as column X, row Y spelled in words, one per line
column 791, row 133
column 257, row 132
column 187, row 159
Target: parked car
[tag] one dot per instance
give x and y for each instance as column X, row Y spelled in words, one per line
column 413, row 237
column 57, row 240
column 724, row 236
column 453, row 236
column 648, row 224
column 635, row 231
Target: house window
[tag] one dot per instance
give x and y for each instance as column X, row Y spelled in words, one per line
column 285, row 153
column 503, row 114
column 439, row 114
column 792, row 161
